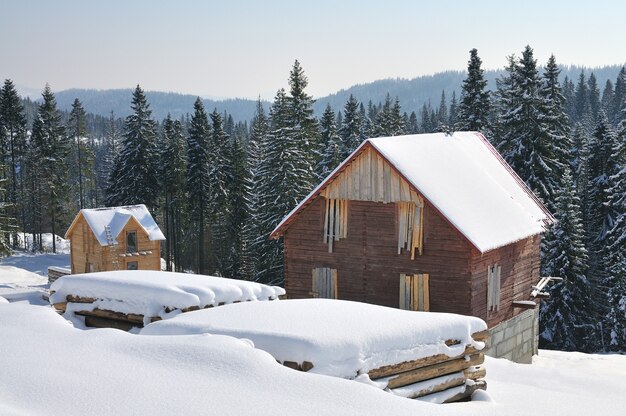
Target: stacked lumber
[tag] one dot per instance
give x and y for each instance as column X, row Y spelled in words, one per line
column 103, row 318
column 438, row 378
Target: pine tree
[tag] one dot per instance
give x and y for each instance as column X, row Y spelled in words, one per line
column 219, row 178
column 173, row 176
column 304, row 131
column 602, row 166
column 475, row 104
column 525, row 138
column 350, row 129
column 615, row 114
column 198, row 187
column 134, row 178
column 12, row 149
column 253, row 229
column 83, row 156
column 454, row 111
column 566, row 319
column 50, row 149
column 275, row 196
column 238, row 212
column 607, row 96
column 593, row 97
column 614, row 256
column 333, row 153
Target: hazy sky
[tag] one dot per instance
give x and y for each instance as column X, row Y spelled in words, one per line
column 233, row 48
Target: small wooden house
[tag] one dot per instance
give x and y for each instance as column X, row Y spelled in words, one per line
column 431, row 222
column 115, row 238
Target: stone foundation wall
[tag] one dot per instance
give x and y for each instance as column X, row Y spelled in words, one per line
column 516, row 339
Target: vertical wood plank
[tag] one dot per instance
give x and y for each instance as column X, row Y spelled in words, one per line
column 426, row 286
column 380, row 179
column 326, row 219
column 335, row 293
column 402, row 299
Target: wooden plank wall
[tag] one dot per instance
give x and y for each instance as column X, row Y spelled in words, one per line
column 85, row 248
column 367, row 261
column 519, row 264
column 370, row 178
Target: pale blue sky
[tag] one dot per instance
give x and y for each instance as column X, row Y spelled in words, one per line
column 233, row 48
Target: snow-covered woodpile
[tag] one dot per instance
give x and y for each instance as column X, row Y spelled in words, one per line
column 435, row 357
column 127, row 299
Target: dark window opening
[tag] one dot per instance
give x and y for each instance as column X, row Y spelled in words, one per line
column 131, row 242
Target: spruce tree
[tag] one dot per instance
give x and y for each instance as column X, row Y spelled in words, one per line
column 253, row 229
column 220, row 181
column 50, row 149
column 303, row 132
column 13, row 148
column 134, row 178
column 198, row 186
column 566, row 317
column 173, row 176
column 350, row 129
column 83, row 156
column 275, row 196
column 333, row 153
column 454, row 111
column 238, row 210
column 475, row 103
column 530, row 116
column 615, row 113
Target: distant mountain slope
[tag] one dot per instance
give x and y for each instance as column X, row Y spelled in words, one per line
column 102, row 102
column 413, row 93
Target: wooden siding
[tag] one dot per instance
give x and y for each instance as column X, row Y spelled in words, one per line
column 370, row 178
column 367, row 262
column 519, row 264
column 85, row 248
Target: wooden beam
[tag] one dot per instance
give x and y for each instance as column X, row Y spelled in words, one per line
column 435, row 388
column 475, row 373
column 469, row 390
column 432, row 371
column 481, row 336
column 389, row 370
column 524, row 304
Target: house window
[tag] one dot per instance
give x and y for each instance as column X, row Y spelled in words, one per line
column 132, row 265
column 414, row 292
column 131, row 242
column 335, row 221
column 324, row 283
column 493, row 288
column 410, row 227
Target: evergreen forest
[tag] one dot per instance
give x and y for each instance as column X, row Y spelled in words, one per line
column 218, row 185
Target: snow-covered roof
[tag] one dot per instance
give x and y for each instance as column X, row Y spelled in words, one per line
column 464, row 178
column 116, row 218
column 340, row 338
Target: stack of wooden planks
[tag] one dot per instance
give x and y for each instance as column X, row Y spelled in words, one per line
column 103, row 318
column 437, row 378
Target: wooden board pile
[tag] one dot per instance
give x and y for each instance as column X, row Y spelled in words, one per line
column 438, row 378
column 103, row 318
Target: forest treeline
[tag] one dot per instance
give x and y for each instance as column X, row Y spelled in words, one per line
column 218, row 186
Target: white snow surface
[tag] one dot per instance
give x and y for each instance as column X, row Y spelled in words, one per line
column 50, row 368
column 151, row 292
column 462, row 177
column 25, row 241
column 117, row 217
column 340, row 338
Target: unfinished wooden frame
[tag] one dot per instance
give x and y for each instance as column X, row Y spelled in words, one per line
column 335, row 221
column 493, row 288
column 414, row 292
column 324, row 284
column 410, row 227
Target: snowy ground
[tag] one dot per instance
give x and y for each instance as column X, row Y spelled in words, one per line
column 47, row 367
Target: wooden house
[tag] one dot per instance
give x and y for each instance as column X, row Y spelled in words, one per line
column 115, row 238
column 431, row 222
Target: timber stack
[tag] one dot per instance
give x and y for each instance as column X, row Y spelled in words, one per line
column 438, row 378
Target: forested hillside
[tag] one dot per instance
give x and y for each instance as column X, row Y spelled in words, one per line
column 219, row 184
